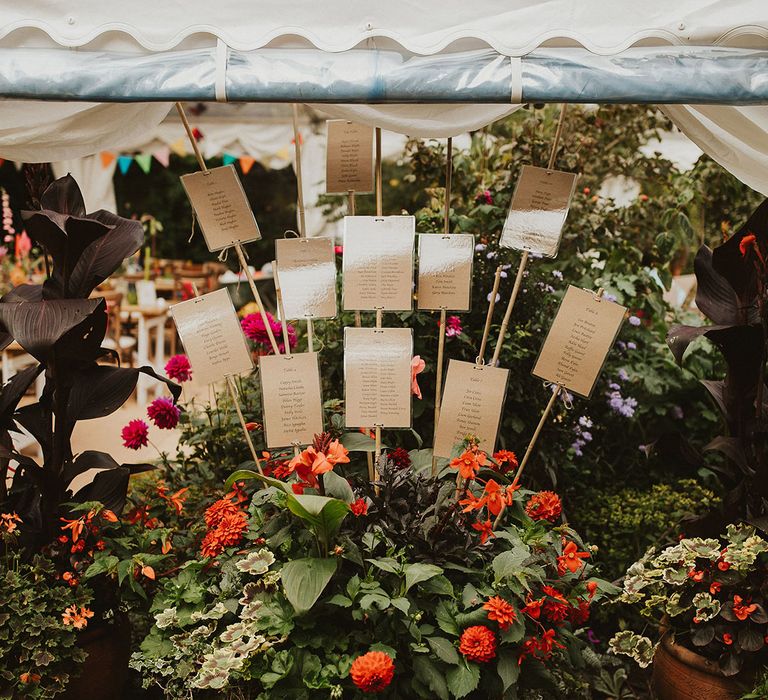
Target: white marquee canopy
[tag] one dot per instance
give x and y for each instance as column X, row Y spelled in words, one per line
column 735, row 136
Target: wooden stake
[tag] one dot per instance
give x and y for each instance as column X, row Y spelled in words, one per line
column 524, row 258
column 310, row 335
column 510, row 305
column 351, row 203
column 299, row 183
column 238, row 247
column 256, row 297
column 280, row 308
column 379, row 184
column 233, row 394
column 441, row 323
column 532, row 443
column 489, row 316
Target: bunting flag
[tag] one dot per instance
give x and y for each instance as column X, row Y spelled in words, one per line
column 124, row 162
column 228, row 158
column 179, row 147
column 246, row 163
column 107, row 158
column 144, row 161
column 163, row 156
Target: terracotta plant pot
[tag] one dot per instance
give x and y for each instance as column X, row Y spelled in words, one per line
column 681, row 674
column 105, row 670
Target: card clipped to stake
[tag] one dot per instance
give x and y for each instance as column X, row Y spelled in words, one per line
column 578, row 341
column 472, row 403
column 538, row 210
column 378, row 263
column 293, row 407
column 221, row 207
column 377, row 373
column 349, row 157
column 307, row 277
column 212, row 338
column 445, row 271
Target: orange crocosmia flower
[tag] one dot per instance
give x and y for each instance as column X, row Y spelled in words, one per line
column 493, row 497
column 485, row 529
column 107, row 514
column 469, row 463
column 9, row 520
column 471, row 502
column 571, row 559
column 533, row 607
column 750, row 241
column 78, row 618
column 177, row 499
column 76, row 526
column 742, row 609
column 501, row 611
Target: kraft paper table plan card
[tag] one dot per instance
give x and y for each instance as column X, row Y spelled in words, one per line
column 211, row 335
column 307, row 277
column 290, row 390
column 377, row 373
column 349, row 157
column 538, row 210
column 221, row 207
column 473, row 399
column 445, row 271
column 378, row 263
column 578, row 341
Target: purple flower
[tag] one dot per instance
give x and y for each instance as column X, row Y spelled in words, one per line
column 585, row 421
column 634, row 321
column 624, row 406
column 609, row 297
column 557, row 274
column 491, row 254
column 480, row 247
column 587, row 436
column 631, row 346
column 623, row 375
column 498, row 296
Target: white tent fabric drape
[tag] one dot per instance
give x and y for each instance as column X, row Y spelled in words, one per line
column 735, row 137
column 94, row 178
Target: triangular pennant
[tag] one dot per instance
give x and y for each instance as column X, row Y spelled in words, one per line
column 246, row 163
column 124, row 162
column 228, row 158
column 144, row 161
column 180, row 147
column 107, row 158
column 163, row 156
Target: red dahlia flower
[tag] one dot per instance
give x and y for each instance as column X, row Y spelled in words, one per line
column 372, row 672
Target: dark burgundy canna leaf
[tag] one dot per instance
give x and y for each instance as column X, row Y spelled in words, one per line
column 715, row 297
column 738, row 269
column 37, row 326
column 100, row 390
column 64, row 196
column 13, row 391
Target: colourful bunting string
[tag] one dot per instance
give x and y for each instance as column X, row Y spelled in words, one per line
column 163, row 156
column 107, row 158
column 144, row 161
column 228, row 158
column 180, row 147
column 124, row 162
column 246, row 163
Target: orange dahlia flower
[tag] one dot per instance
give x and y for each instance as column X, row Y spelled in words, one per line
column 501, row 611
column 217, row 511
column 227, row 532
column 372, row 672
column 478, row 643
column 544, row 505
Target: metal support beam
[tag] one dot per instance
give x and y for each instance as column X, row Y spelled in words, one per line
column 671, row 75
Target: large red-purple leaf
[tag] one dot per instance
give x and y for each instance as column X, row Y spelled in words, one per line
column 733, row 449
column 110, row 488
column 739, row 269
column 717, row 390
column 715, row 297
column 37, row 420
column 13, row 391
column 100, row 390
column 63, row 195
column 105, row 255
column 82, row 345
column 37, row 326
column 679, row 337
column 92, row 459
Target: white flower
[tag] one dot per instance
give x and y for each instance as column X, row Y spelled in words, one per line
column 256, row 563
column 166, row 618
